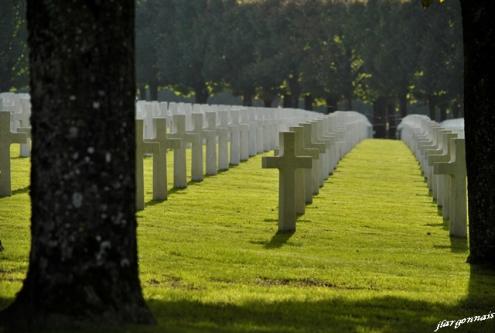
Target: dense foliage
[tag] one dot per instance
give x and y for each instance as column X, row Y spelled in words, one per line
column 388, row 53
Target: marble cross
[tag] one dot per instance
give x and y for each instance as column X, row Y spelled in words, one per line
column 244, row 128
column 23, row 125
column 223, row 141
column 180, row 165
column 160, row 191
column 6, row 139
column 142, row 147
column 316, row 170
column 443, row 181
column 304, row 187
column 456, row 169
column 253, row 132
column 235, row 138
column 211, row 134
column 196, row 139
column 287, row 163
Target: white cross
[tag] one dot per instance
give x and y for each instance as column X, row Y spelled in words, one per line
column 287, row 163
column 235, row 139
column 316, row 170
column 160, row 191
column 180, row 137
column 223, row 141
column 302, row 150
column 211, row 134
column 6, row 139
column 244, row 128
column 443, row 182
column 456, row 169
column 304, row 193
column 196, row 139
column 142, row 147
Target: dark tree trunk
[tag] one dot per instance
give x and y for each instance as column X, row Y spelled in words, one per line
column 379, row 117
column 391, row 120
column 267, row 102
column 153, row 84
column 295, row 89
column 308, row 102
column 201, row 93
column 247, row 98
column 295, row 101
column 142, row 91
column 432, row 108
column 443, row 111
column 403, row 105
column 479, row 101
column 83, row 264
column 331, row 104
column 348, row 103
column 349, row 89
column 287, row 101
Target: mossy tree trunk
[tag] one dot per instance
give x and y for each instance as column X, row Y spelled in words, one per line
column 479, row 101
column 83, row 264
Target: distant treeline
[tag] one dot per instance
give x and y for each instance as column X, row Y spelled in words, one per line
column 386, row 53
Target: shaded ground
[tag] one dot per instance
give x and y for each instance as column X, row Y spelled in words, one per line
column 371, row 254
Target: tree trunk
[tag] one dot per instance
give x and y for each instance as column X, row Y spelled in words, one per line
column 348, row 103
column 153, row 84
column 403, row 105
column 391, row 120
column 287, row 101
column 432, row 108
column 247, row 98
column 479, row 102
column 142, row 91
column 331, row 104
column 267, row 102
column 201, row 93
column 83, row 264
column 443, row 111
column 308, row 102
column 379, row 117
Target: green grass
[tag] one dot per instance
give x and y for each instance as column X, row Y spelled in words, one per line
column 371, row 254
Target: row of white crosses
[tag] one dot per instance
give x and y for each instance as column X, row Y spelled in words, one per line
column 14, row 129
column 440, row 151
column 19, row 107
column 229, row 134
column 308, row 154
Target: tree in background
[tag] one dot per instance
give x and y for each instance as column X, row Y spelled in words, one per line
column 13, row 55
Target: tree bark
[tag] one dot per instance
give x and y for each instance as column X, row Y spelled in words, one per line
column 443, row 111
column 379, row 117
column 201, row 93
column 287, row 101
column 391, row 120
column 142, row 91
column 247, row 98
column 267, row 102
column 432, row 108
column 83, row 264
column 308, row 102
column 479, row 103
column 403, row 105
column 153, row 84
column 331, row 104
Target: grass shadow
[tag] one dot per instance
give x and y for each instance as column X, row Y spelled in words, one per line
column 279, row 239
column 21, row 190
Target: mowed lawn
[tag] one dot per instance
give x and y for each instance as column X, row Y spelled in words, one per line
column 371, row 254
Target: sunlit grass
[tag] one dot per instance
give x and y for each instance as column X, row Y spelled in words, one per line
column 371, row 254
